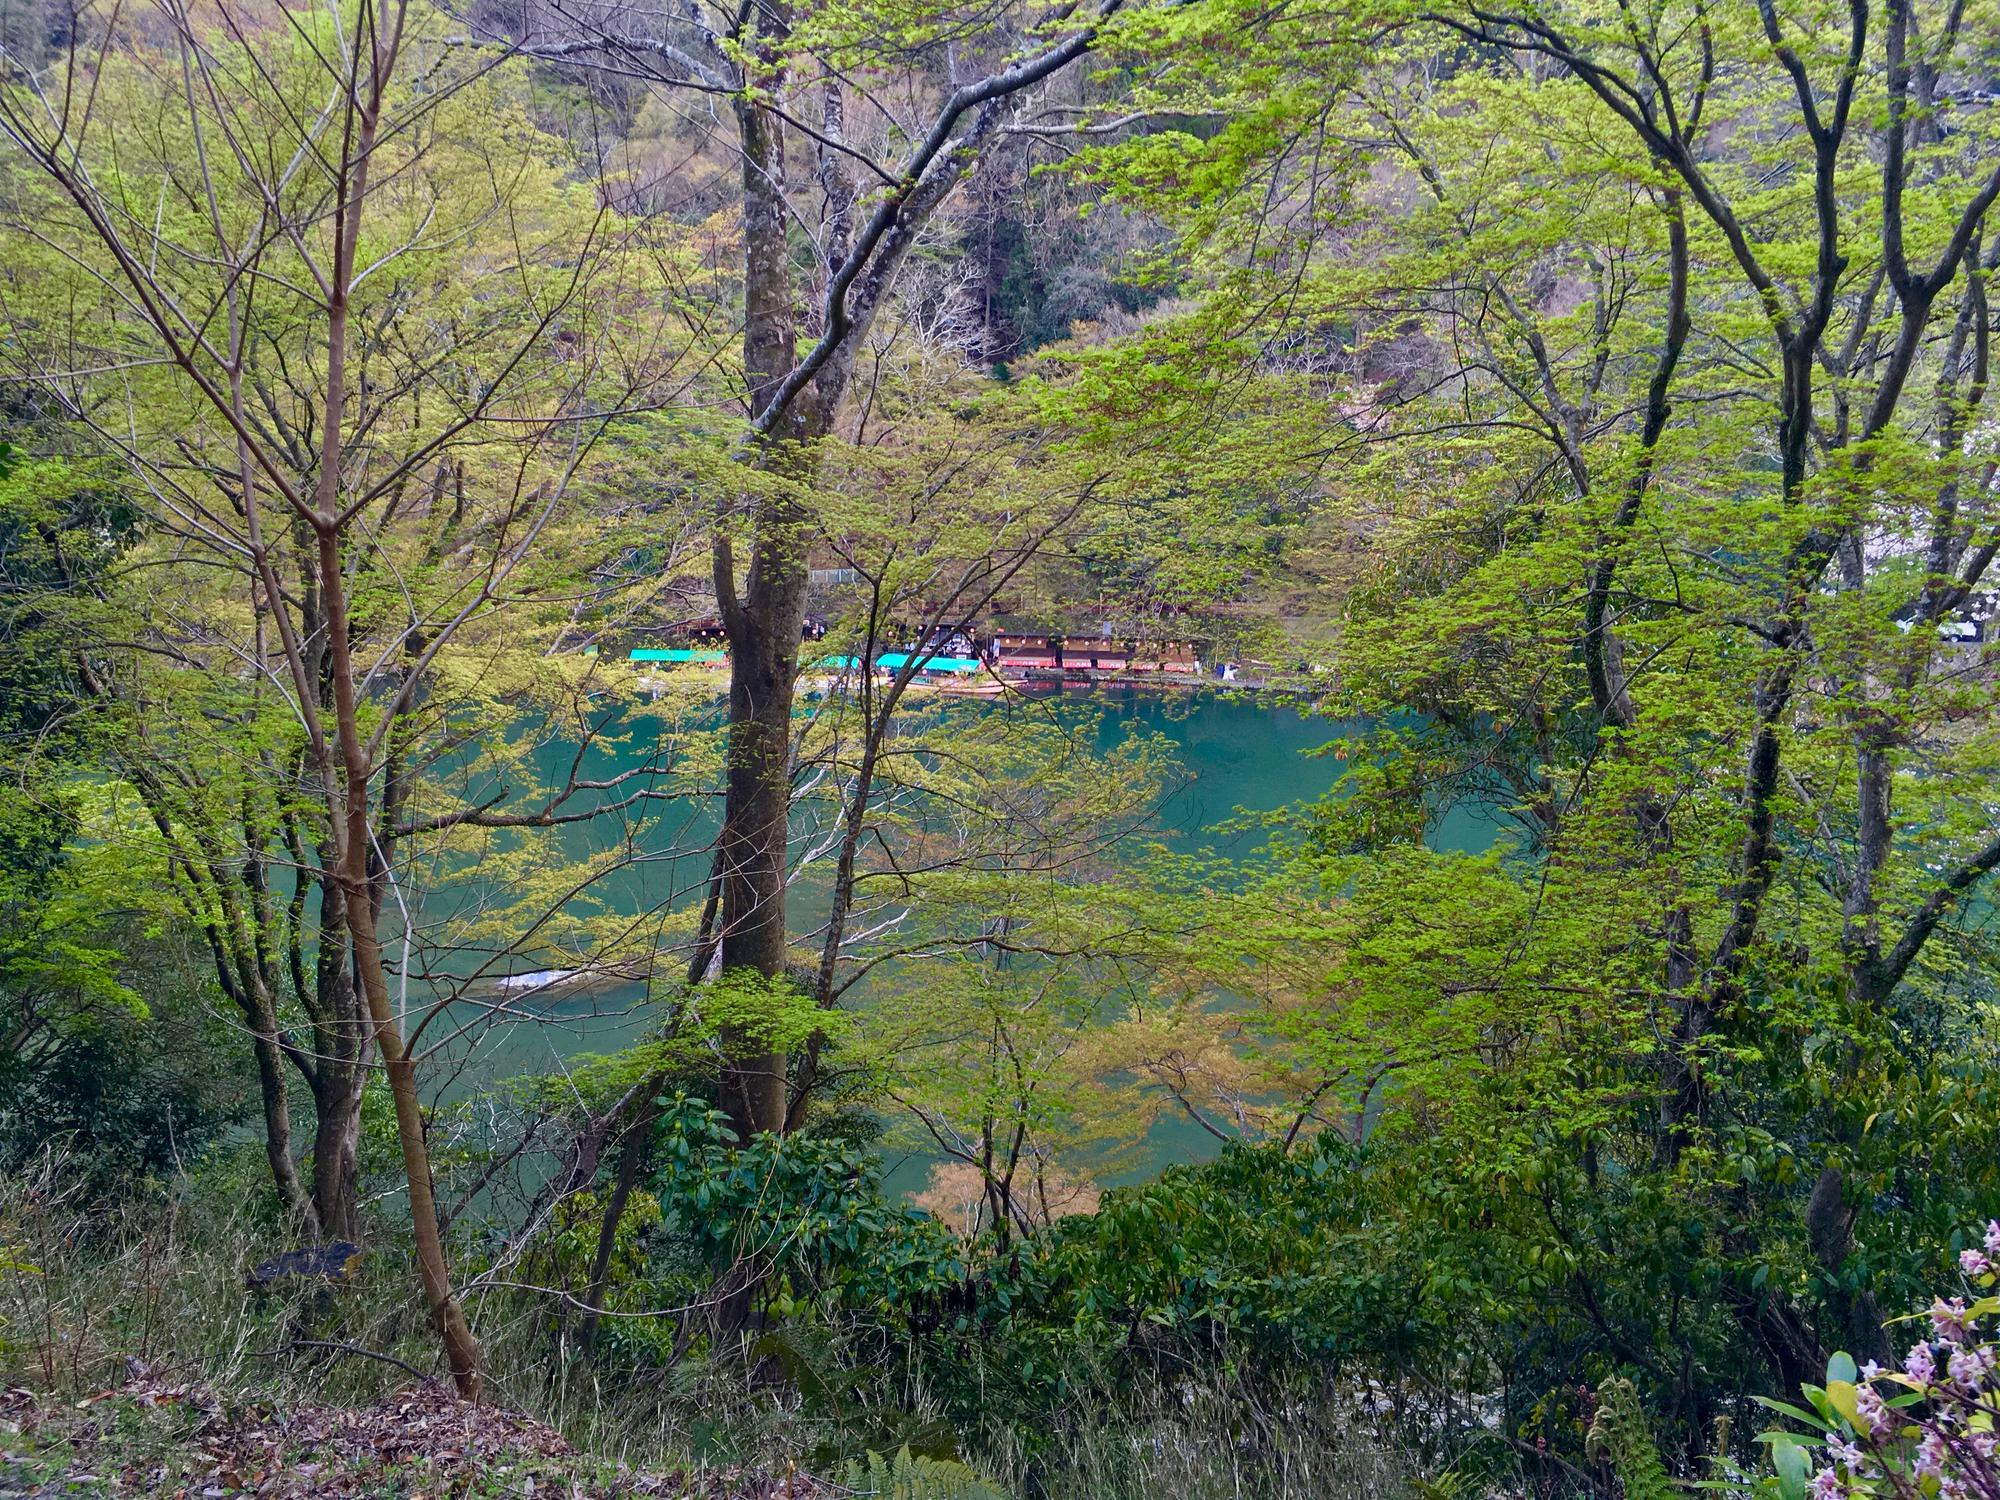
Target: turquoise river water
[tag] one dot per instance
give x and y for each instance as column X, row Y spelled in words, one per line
column 1238, row 753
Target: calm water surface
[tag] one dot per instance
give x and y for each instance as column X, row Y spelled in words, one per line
column 1239, row 754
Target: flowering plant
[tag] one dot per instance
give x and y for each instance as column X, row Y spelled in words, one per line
column 1925, row 1431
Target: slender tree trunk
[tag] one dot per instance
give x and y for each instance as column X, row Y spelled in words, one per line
column 347, row 776
column 352, row 775
column 631, row 1161
column 792, row 405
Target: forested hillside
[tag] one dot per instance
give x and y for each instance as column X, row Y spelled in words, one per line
column 1121, row 748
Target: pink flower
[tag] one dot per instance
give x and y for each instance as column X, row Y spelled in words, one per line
column 1966, row 1368
column 1918, row 1364
column 1826, row 1485
column 1948, row 1319
column 1974, row 1262
column 1869, row 1410
column 1930, row 1455
column 1993, row 1236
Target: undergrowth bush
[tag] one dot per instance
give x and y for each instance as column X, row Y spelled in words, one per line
column 159, row 1278
column 1328, row 1319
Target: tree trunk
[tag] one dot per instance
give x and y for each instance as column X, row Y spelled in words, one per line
column 352, row 776
column 764, row 650
column 631, row 1162
column 764, row 626
column 1856, row 1317
column 300, row 1207
column 341, row 1035
column 336, row 1186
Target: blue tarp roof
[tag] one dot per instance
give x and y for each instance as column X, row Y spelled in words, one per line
column 893, row 661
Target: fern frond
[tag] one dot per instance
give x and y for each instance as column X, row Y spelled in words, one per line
column 1619, row 1436
column 906, row 1476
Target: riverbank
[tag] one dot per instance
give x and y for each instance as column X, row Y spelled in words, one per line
column 714, row 676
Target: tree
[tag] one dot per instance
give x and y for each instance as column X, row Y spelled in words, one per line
column 66, row 1000
column 353, row 345
column 793, row 77
column 1648, row 354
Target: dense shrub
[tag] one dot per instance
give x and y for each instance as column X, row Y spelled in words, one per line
column 1479, row 1290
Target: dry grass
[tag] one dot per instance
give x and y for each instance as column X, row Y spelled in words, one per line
column 92, row 1298
column 155, row 1438
column 158, row 1276
column 90, row 1292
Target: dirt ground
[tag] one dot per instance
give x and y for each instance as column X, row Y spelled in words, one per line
column 152, row 1436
